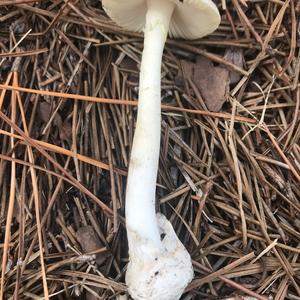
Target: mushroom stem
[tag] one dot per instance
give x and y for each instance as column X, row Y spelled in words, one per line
column 142, row 174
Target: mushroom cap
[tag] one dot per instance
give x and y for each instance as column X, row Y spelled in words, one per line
column 155, row 273
column 191, row 19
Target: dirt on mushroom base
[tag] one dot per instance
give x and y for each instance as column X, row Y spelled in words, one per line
column 85, row 55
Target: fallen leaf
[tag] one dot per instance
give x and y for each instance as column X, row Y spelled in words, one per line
column 65, row 131
column 45, row 113
column 90, row 242
column 213, row 83
column 186, row 71
column 64, row 127
column 235, row 56
column 131, row 67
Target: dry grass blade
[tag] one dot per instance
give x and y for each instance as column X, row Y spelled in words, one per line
column 123, row 102
column 34, row 190
column 24, row 53
column 69, row 153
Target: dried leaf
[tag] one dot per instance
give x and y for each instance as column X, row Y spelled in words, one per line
column 129, row 64
column 90, row 242
column 235, row 56
column 213, row 83
column 186, row 71
column 65, row 131
column 64, row 127
column 45, row 113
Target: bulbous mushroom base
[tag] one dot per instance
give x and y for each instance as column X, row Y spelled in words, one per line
column 158, row 273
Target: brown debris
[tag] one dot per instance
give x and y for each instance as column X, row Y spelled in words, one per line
column 90, row 242
column 212, row 81
column 235, row 56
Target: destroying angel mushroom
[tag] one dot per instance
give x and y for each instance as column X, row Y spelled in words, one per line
column 159, row 265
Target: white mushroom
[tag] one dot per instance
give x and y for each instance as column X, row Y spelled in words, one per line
column 159, row 265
